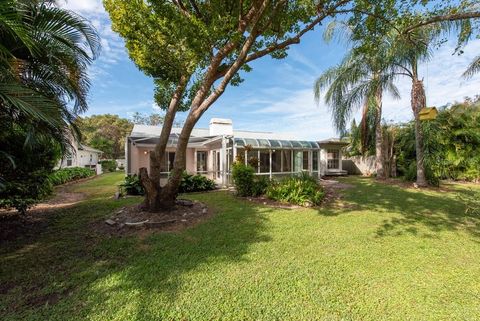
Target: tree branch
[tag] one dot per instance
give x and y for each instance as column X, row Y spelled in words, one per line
column 448, row 17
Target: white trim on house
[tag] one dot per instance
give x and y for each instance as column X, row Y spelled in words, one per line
column 222, row 145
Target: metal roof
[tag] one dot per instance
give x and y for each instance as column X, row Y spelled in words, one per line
column 276, row 143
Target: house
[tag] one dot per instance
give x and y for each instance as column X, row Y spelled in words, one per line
column 211, row 152
column 81, row 155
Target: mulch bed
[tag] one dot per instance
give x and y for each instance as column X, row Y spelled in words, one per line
column 133, row 219
column 331, row 187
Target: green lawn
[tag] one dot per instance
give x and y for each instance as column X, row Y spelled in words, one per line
column 388, row 254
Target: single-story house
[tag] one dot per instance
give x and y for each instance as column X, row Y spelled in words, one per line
column 211, row 152
column 80, row 155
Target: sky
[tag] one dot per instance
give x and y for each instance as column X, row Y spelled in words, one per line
column 277, row 95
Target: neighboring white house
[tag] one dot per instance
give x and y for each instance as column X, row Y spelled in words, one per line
column 81, row 156
column 212, row 151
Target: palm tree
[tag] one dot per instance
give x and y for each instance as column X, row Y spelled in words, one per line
column 359, row 80
column 473, row 68
column 44, row 55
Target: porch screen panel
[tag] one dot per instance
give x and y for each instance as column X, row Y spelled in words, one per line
column 252, row 158
column 287, row 160
column 305, row 161
column 264, row 161
column 240, row 155
column 297, row 161
column 315, row 161
column 276, row 161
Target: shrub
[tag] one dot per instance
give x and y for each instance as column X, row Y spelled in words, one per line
column 24, row 169
column 243, row 178
column 190, row 183
column 301, row 190
column 108, row 165
column 195, row 183
column 132, row 185
column 260, row 185
column 69, row 174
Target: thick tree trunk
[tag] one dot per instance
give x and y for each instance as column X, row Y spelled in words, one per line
column 170, row 190
column 379, row 155
column 151, row 182
column 418, row 101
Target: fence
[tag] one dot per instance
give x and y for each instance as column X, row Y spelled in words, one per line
column 359, row 165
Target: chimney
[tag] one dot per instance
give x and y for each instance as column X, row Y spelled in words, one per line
column 219, row 126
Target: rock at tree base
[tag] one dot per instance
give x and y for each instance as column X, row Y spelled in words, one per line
column 183, row 202
column 110, row 222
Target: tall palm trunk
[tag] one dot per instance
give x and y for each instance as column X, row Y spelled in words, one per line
column 379, row 155
column 363, row 127
column 418, row 101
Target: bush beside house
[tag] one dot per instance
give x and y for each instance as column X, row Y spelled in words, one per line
column 302, row 190
column 190, row 183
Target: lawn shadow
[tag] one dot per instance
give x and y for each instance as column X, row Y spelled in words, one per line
column 419, row 209
column 69, row 263
column 160, row 266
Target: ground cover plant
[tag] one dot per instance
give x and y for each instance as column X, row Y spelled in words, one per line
column 301, row 190
column 385, row 252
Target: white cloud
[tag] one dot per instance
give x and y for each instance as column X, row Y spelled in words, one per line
column 294, row 112
column 84, row 6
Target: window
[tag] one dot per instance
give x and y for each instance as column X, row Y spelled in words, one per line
column 333, row 159
column 287, row 160
column 69, row 160
column 297, row 161
column 252, row 158
column 201, row 161
column 240, row 155
column 167, row 164
column 276, row 161
column 314, row 160
column 91, row 158
column 264, row 161
column 305, row 161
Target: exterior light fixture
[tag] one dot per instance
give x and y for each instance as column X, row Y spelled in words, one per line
column 145, row 152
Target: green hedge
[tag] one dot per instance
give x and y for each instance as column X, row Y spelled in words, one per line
column 108, row 165
column 69, row 174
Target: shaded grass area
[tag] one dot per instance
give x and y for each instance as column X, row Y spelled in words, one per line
column 385, row 253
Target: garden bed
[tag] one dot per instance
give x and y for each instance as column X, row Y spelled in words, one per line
column 131, row 219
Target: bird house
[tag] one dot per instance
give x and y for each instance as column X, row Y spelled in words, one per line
column 428, row 113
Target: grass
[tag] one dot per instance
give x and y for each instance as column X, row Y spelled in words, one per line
column 389, row 253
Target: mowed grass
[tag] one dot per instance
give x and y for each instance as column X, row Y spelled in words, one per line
column 387, row 253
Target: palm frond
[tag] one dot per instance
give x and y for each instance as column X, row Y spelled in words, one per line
column 473, row 68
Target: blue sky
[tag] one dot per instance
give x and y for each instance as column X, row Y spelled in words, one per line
column 277, row 95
